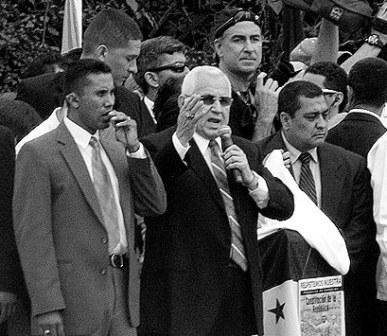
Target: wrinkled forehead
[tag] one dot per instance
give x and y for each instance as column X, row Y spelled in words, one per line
column 210, row 83
column 312, row 105
column 319, row 80
column 244, row 28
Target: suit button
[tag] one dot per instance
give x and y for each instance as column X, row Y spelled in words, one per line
column 103, row 271
column 104, row 240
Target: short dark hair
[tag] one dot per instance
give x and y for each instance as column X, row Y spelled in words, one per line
column 289, row 97
column 150, row 53
column 111, row 27
column 368, row 80
column 335, row 78
column 76, row 74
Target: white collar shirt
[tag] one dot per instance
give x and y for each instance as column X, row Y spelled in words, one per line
column 82, row 139
column 314, row 166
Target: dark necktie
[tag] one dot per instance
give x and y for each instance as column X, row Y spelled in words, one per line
column 237, row 248
column 307, row 183
column 104, row 190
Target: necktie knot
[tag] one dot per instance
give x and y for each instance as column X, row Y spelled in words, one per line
column 94, row 142
column 213, row 144
column 305, row 157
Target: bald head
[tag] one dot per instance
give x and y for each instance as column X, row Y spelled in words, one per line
column 202, row 76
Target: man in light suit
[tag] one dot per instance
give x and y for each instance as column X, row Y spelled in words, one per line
column 75, row 198
column 341, row 181
column 193, row 282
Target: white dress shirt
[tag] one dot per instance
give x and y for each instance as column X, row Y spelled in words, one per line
column 51, row 123
column 314, row 166
column 150, row 105
column 82, row 139
column 260, row 195
column 377, row 164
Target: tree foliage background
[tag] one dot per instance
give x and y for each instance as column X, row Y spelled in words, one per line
column 32, row 27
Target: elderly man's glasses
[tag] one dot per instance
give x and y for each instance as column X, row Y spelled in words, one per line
column 238, row 17
column 210, row 100
column 178, row 68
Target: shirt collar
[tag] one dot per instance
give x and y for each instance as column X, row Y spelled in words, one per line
column 203, row 143
column 295, row 153
column 80, row 135
column 149, row 103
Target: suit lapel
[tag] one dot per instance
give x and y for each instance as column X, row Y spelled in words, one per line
column 78, row 167
column 199, row 166
column 332, row 177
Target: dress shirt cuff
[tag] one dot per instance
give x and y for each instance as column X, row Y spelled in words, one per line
column 261, row 193
column 180, row 149
column 138, row 154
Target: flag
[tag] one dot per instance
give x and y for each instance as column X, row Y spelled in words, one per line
column 72, row 26
column 280, row 310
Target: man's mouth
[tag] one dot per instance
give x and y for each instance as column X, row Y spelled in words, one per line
column 214, row 120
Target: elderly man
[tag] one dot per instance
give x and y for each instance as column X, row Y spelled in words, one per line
column 336, row 180
column 238, row 45
column 75, row 198
column 201, row 272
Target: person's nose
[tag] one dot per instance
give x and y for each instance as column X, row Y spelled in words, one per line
column 132, row 68
column 110, row 99
column 249, row 45
column 321, row 121
column 216, row 106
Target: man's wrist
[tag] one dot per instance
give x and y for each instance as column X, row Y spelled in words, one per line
column 253, row 183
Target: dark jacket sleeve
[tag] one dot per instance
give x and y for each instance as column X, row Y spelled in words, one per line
column 10, row 270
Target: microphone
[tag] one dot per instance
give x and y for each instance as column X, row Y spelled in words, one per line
column 227, row 142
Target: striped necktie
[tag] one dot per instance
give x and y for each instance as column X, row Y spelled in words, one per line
column 307, row 184
column 104, row 190
column 237, row 252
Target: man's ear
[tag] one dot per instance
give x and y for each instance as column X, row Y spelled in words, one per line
column 152, row 79
column 101, row 52
column 218, row 47
column 338, row 99
column 285, row 120
column 72, row 100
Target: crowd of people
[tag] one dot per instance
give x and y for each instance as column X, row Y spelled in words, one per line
column 131, row 185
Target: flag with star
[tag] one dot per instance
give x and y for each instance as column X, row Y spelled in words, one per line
column 280, row 313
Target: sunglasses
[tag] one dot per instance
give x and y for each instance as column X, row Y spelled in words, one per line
column 238, row 17
column 178, row 68
column 328, row 92
column 210, row 100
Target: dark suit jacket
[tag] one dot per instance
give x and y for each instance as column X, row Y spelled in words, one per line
column 357, row 132
column 11, row 277
column 346, row 198
column 45, row 93
column 188, row 248
column 346, row 195
column 60, row 233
